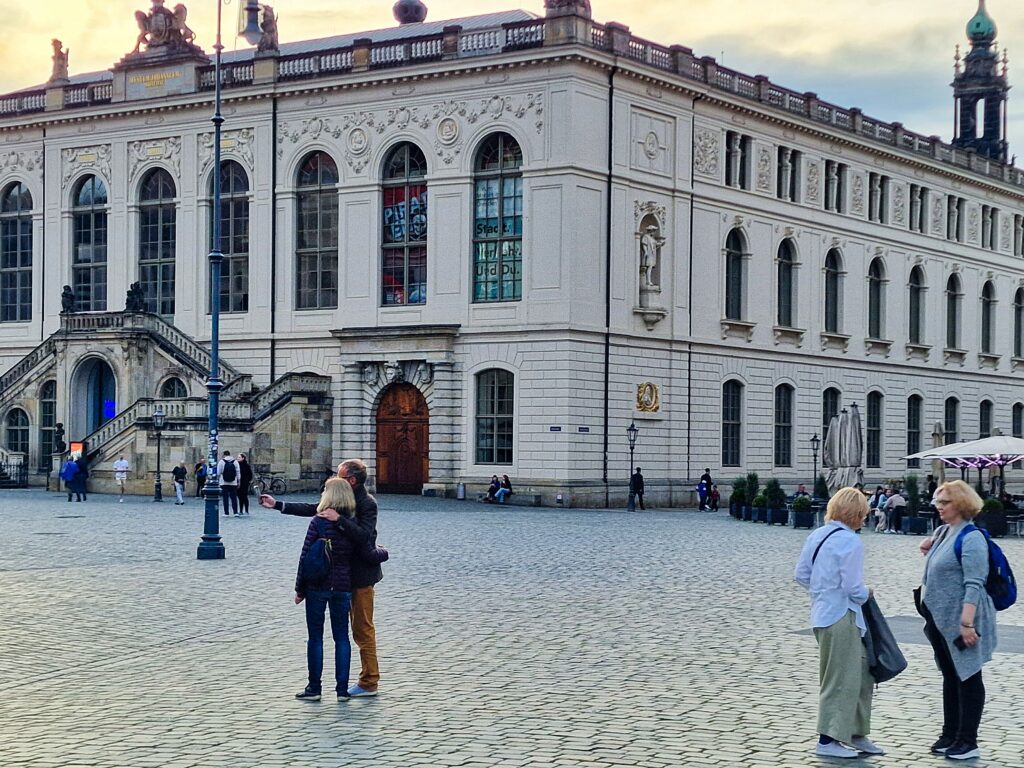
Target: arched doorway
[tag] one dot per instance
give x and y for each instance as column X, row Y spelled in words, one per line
column 403, row 440
column 94, row 399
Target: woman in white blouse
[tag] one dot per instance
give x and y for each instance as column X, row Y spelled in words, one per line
column 831, row 568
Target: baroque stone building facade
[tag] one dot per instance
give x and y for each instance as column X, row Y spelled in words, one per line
column 617, row 232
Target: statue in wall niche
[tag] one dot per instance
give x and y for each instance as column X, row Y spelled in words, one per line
column 67, row 300
column 134, row 300
column 650, row 251
column 268, row 40
column 59, row 446
column 60, row 62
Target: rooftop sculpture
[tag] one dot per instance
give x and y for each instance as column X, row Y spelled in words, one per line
column 161, row 29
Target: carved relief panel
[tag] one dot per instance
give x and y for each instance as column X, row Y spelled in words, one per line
column 234, row 145
column 82, row 158
column 813, row 182
column 707, row 152
column 652, row 141
column 140, row 153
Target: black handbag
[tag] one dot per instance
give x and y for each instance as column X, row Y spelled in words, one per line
column 885, row 659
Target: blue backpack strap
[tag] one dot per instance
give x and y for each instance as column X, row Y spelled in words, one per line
column 958, row 545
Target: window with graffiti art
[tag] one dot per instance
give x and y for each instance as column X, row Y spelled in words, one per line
column 498, row 220
column 404, row 267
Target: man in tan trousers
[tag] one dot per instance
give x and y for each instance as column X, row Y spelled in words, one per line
column 363, row 531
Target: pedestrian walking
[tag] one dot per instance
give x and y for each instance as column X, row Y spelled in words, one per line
column 68, row 472
column 244, row 483
column 81, row 479
column 714, row 498
column 200, row 476
column 831, row 568
column 366, row 573
column 328, row 591
column 121, row 476
column 960, row 619
column 180, row 474
column 636, row 487
column 227, row 471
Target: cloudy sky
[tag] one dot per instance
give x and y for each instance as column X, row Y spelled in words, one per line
column 891, row 58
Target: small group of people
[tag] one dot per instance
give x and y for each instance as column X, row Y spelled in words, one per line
column 75, row 472
column 346, row 517
column 887, row 505
column 498, row 490
column 235, row 478
column 708, row 493
column 960, row 621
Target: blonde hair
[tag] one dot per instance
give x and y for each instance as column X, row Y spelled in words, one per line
column 338, row 496
column 962, row 498
column 847, row 506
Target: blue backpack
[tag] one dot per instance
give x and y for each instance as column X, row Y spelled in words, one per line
column 1000, row 584
column 68, row 471
column 316, row 564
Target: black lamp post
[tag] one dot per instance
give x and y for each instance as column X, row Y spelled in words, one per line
column 815, row 444
column 211, row 547
column 631, row 432
column 159, row 419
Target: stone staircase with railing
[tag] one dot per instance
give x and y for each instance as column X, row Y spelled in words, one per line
column 13, row 469
column 12, row 382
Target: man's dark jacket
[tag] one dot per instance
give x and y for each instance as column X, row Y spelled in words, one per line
column 362, row 530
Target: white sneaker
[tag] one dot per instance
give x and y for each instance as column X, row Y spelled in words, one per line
column 865, row 745
column 835, row 749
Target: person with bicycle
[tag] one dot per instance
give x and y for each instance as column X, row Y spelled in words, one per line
column 244, row 483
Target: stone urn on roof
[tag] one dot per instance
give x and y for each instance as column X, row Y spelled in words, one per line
column 409, row 11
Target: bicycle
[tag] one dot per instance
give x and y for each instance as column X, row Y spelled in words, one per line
column 265, row 483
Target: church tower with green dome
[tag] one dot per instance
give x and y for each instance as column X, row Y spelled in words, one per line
column 980, row 91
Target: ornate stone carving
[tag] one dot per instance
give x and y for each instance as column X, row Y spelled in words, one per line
column 567, row 7
column 648, row 397
column 938, row 209
column 310, row 129
column 899, row 204
column 706, row 159
column 764, row 169
column 813, row 182
column 67, row 300
column 27, row 161
column 973, row 223
column 164, row 29
column 233, row 145
column 651, row 243
column 59, row 74
column 95, row 158
column 268, row 25
column 643, row 209
column 165, row 150
column 448, row 131
column 394, row 372
column 857, row 204
column 1006, row 235
column 424, row 373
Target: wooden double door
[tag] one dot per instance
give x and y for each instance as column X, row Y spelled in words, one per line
column 403, row 440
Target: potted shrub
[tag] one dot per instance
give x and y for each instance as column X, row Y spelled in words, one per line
column 912, row 524
column 751, row 492
column 803, row 516
column 759, row 509
column 821, row 488
column 738, row 498
column 992, row 518
column 776, row 498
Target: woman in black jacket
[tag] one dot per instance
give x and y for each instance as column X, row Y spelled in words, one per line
column 244, row 483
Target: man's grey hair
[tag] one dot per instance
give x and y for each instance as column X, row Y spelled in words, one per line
column 355, row 469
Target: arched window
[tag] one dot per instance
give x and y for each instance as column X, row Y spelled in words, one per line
column 316, row 247
column 951, row 422
column 783, row 426
column 830, row 404
column 874, row 429
column 914, row 409
column 876, row 299
column 988, row 314
column 498, row 220
column 1018, row 323
column 157, row 240
column 915, row 306
column 89, row 247
column 953, row 297
column 17, row 431
column 985, row 411
column 732, row 423
column 735, row 284
column 404, row 277
column 173, row 387
column 234, row 237
column 786, row 285
column 495, row 414
column 16, row 254
column 833, row 291
column 47, row 423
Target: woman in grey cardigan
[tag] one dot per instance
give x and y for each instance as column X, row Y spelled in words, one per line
column 960, row 620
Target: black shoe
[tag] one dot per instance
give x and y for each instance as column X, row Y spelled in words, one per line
column 963, row 750
column 308, row 695
column 944, row 743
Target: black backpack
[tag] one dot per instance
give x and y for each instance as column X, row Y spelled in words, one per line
column 230, row 471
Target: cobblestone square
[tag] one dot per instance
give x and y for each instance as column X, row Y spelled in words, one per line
column 508, row 637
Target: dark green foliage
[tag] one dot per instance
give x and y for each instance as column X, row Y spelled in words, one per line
column 821, row 488
column 753, row 485
column 801, row 504
column 775, row 496
column 913, row 495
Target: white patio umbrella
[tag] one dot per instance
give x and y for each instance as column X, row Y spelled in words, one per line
column 995, row 451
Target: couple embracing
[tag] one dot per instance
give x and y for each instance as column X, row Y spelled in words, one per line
column 347, row 518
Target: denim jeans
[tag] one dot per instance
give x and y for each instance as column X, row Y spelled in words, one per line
column 316, row 605
column 500, row 494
